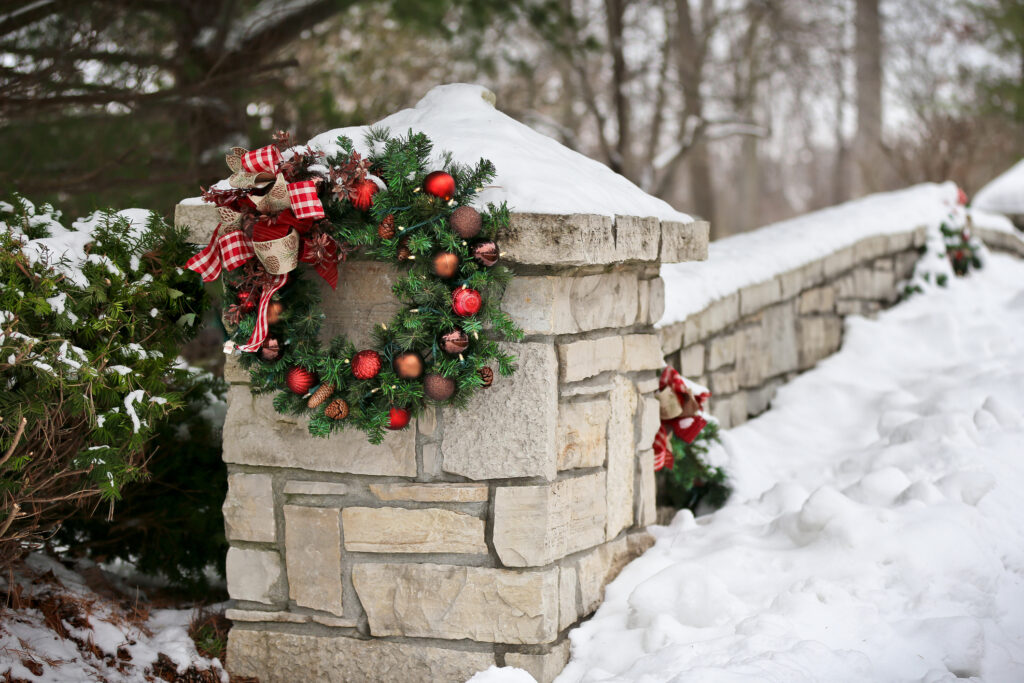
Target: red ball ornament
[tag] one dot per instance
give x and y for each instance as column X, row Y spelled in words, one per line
column 299, row 380
column 247, row 300
column 439, row 184
column 398, row 418
column 961, row 196
column 466, row 301
column 362, row 198
column 366, row 364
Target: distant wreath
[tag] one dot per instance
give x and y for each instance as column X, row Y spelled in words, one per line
column 291, row 214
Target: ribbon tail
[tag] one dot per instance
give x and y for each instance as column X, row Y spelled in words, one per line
column 207, row 262
column 259, row 334
column 663, row 459
column 689, row 433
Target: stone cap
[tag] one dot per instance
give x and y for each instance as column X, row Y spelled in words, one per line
column 540, row 239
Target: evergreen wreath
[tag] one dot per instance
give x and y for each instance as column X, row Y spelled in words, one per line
column 389, row 206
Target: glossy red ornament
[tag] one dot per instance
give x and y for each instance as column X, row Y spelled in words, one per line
column 299, row 380
column 362, row 198
column 466, row 301
column 398, row 418
column 439, row 184
column 366, row 364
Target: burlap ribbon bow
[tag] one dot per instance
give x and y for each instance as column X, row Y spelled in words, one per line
column 681, row 406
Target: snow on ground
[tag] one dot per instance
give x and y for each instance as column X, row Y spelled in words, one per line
column 757, row 256
column 1005, row 194
column 876, row 532
column 55, row 629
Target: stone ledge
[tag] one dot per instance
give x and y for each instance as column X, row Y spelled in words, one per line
column 201, row 219
column 684, row 241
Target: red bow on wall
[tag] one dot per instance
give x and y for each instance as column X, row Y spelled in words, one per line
column 681, row 405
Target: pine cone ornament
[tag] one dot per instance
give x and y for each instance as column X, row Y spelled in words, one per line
column 366, row 364
column 404, row 253
column 299, row 380
column 337, row 409
column 386, row 229
column 487, row 375
column 438, row 387
column 322, row 393
column 398, row 418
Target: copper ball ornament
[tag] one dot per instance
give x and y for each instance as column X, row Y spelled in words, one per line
column 398, row 418
column 274, row 311
column 486, row 375
column 466, row 222
column 485, row 253
column 439, row 184
column 337, row 409
column 466, row 301
column 408, row 365
column 445, row 264
column 438, row 387
column 454, row 342
column 299, row 380
column 271, row 350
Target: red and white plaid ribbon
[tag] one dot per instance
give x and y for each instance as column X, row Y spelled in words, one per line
column 262, row 160
column 305, row 203
column 684, row 427
column 259, row 333
column 229, row 250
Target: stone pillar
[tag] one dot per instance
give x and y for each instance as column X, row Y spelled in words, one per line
column 474, row 537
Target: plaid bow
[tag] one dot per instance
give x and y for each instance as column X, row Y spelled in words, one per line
column 230, row 250
column 305, row 203
column 682, row 411
column 259, row 333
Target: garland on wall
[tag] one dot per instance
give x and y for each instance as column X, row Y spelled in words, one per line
column 292, row 214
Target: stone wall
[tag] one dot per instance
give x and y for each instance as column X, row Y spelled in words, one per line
column 474, row 537
column 745, row 345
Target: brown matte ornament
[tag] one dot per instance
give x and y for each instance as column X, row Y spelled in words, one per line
column 408, row 365
column 337, row 409
column 322, row 393
column 274, row 311
column 446, row 264
column 487, row 375
column 271, row 350
column 438, row 387
column 466, row 222
column 485, row 253
column 454, row 342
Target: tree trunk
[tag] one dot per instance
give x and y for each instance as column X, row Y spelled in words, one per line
column 621, row 161
column 868, row 141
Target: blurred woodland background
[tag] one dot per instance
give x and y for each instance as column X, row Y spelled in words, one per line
column 740, row 111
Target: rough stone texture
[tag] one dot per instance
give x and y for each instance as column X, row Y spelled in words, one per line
column 656, row 301
column 315, row 488
column 255, row 575
column 362, row 299
column 431, row 493
column 262, row 436
column 724, row 382
column 817, row 300
column 837, row 262
column 870, row 248
column 646, row 501
column 312, row 539
column 621, row 455
column 582, row 429
column 256, row 616
column 692, row 361
column 759, row 399
column 201, row 219
column 641, row 352
column 684, row 241
column 447, row 601
column 649, row 422
column 535, row 525
column 791, row 283
column 597, row 567
column 637, row 239
column 819, row 337
column 719, row 315
column 671, row 337
column 721, row 351
column 552, row 240
column 398, row 530
column 874, row 283
column 588, row 357
column 730, row 410
column 761, row 295
column 234, row 373
column 567, row 587
column 544, row 668
column 517, row 422
column 249, row 508
column 276, row 657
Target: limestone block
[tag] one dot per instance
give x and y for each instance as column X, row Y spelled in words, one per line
column 582, row 430
column 254, row 575
column 671, row 337
column 587, row 387
column 647, row 385
column 755, row 297
column 256, row 616
column 649, row 422
column 362, row 299
column 315, row 488
column 598, row 567
column 920, row 235
column 553, row 240
column 426, row 423
column 641, row 352
column 455, row 602
column 588, row 357
column 722, row 351
column 691, row 363
column 566, row 305
column 817, row 300
column 234, row 373
column 399, row 530
column 847, row 307
column 779, row 325
column 717, row 316
column 201, row 219
column 900, row 241
column 846, row 286
column 312, row 539
column 279, row 657
column 431, row 493
column 621, row 456
column 870, row 248
column 249, row 508
column 882, row 264
column 567, row 587
column 684, row 241
column 544, row 667
column 760, row 398
column 724, row 382
column 646, row 503
column 535, row 525
column 904, row 264
column 656, row 300
column 791, row 282
column 819, row 337
column 874, row 283
column 256, row 434
column 838, row 262
column 752, row 359
column 636, row 238
column 517, row 421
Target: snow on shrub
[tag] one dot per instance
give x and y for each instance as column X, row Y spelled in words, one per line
column 951, row 248
column 91, row 320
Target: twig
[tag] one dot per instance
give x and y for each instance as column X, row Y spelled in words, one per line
column 15, row 510
column 14, row 444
